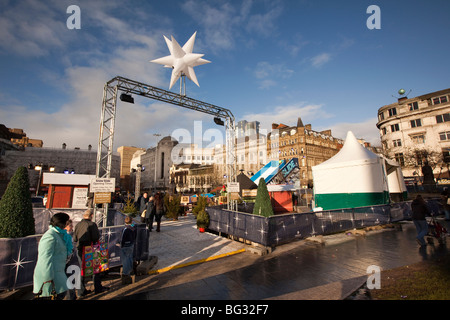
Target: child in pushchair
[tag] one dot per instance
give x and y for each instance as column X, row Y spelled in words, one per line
column 436, row 230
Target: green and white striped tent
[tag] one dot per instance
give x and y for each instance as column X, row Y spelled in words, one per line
column 354, row 177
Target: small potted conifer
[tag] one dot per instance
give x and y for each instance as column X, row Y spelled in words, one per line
column 202, row 220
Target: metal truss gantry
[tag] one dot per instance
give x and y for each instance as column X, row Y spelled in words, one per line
column 127, row 86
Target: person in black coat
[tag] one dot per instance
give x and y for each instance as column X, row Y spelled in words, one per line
column 142, row 202
column 150, row 213
column 86, row 233
column 419, row 212
column 126, row 243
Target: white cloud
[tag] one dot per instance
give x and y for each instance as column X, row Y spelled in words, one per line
column 320, row 59
column 77, row 121
column 366, row 130
column 295, row 44
column 263, row 23
column 223, row 24
column 218, row 23
column 314, row 114
column 267, row 73
column 29, row 28
column 288, row 115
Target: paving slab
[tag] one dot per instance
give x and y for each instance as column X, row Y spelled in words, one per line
column 180, row 243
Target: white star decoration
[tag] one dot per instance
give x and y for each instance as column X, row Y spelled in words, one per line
column 181, row 60
column 18, row 263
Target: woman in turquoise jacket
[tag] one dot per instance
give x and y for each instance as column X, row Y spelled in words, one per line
column 54, row 248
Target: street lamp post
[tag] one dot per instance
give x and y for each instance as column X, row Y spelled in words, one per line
column 157, row 135
column 40, row 167
column 137, row 187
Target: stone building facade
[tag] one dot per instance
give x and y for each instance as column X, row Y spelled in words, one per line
column 77, row 160
column 126, row 155
column 416, row 130
column 250, row 152
column 157, row 162
column 193, row 169
column 19, row 138
column 300, row 141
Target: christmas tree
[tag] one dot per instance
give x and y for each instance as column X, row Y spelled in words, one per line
column 263, row 204
column 16, row 211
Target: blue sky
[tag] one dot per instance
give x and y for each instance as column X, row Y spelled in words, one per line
column 271, row 61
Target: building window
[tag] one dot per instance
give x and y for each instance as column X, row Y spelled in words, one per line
column 392, row 112
column 395, row 127
column 439, row 100
column 416, row 123
column 397, row 143
column 443, row 118
column 446, row 156
column 399, row 158
column 383, row 130
column 444, row 135
column 413, row 106
column 418, row 139
column 381, row 116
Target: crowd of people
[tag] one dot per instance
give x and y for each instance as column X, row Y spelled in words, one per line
column 151, row 209
column 56, row 253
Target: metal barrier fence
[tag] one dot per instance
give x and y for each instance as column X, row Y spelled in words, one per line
column 279, row 229
column 18, row 256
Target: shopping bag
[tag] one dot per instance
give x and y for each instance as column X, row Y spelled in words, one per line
column 95, row 259
column 53, row 296
column 103, row 258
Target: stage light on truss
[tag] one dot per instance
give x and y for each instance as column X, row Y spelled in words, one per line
column 218, row 121
column 126, row 98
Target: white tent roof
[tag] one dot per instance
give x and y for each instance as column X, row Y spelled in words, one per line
column 354, row 169
column 351, row 152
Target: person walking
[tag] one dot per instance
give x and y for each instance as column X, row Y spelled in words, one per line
column 150, row 214
column 71, row 259
column 159, row 206
column 126, row 244
column 419, row 212
column 142, row 202
column 53, row 250
column 86, row 233
column 428, row 178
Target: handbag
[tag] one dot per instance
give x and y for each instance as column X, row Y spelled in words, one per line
column 143, row 213
column 95, row 259
column 37, row 296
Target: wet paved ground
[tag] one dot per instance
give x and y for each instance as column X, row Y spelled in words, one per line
column 194, row 266
column 294, row 269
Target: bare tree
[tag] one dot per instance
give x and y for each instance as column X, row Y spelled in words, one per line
column 416, row 157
